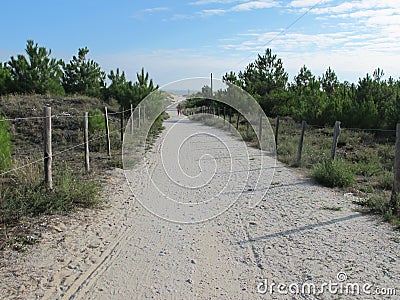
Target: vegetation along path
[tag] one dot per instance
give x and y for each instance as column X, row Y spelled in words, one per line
column 297, row 240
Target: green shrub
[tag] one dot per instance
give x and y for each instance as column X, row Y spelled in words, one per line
column 96, row 120
column 381, row 204
column 5, row 145
column 27, row 195
column 333, row 173
column 385, row 180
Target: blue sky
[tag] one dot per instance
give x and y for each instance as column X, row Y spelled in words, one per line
column 179, row 39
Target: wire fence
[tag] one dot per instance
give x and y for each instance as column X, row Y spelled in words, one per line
column 67, row 138
column 372, row 154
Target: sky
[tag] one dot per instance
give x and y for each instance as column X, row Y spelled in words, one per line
column 174, row 40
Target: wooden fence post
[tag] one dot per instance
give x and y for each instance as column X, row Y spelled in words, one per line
column 230, row 115
column 107, row 132
column 224, row 113
column 260, row 128
column 336, row 132
column 86, row 137
column 300, row 147
column 131, row 118
column 237, row 121
column 394, row 202
column 122, row 125
column 276, row 131
column 48, row 159
column 138, row 116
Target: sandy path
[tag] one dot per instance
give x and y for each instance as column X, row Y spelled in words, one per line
column 288, row 238
column 126, row 252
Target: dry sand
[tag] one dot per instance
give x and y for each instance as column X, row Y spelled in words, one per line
column 126, row 252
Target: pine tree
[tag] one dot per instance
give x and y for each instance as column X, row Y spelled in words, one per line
column 83, row 76
column 36, row 74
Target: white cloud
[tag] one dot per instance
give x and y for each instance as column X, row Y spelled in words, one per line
column 254, row 5
column 354, row 6
column 206, row 2
column 179, row 17
column 212, row 12
column 156, row 9
column 288, row 41
column 306, row 3
column 246, row 6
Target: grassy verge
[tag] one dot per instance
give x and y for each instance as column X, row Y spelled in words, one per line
column 363, row 163
column 26, row 195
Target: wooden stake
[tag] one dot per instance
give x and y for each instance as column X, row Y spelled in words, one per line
column 139, row 116
column 107, row 132
column 394, row 200
column 300, row 147
column 48, row 159
column 336, row 132
column 86, row 137
column 230, row 118
column 122, row 124
column 276, row 131
column 260, row 128
column 131, row 118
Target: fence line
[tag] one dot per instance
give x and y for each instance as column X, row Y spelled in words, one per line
column 207, row 109
column 62, row 115
column 48, row 155
column 57, row 153
column 336, row 132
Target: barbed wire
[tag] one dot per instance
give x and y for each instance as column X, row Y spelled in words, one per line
column 62, row 115
column 367, row 129
column 57, row 153
column 352, row 128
